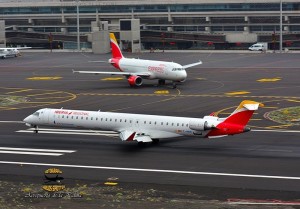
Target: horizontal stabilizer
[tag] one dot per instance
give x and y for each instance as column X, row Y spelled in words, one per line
column 251, row 106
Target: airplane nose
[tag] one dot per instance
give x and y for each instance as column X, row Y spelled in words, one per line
column 28, row 120
column 183, row 75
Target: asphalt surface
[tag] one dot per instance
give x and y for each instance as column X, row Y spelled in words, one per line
column 264, row 160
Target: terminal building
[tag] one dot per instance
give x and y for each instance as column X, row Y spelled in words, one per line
column 162, row 24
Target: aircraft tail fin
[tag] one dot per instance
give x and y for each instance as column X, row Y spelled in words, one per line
column 115, row 49
column 243, row 112
column 237, row 121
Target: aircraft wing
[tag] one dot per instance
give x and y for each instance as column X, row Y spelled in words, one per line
column 132, row 136
column 114, row 73
column 192, row 65
column 23, row 47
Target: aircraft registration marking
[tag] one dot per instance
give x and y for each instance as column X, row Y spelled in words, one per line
column 44, row 78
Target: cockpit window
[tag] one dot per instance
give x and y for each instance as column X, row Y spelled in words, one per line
column 36, row 114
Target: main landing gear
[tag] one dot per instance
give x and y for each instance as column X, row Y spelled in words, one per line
column 144, row 144
column 162, row 82
column 36, row 129
column 155, row 141
column 174, row 85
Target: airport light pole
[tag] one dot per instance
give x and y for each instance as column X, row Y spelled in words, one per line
column 280, row 27
column 78, row 32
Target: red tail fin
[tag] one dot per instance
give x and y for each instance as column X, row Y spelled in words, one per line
column 237, row 121
column 115, row 49
column 243, row 113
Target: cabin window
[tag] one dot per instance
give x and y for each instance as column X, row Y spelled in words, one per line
column 91, row 118
column 81, row 118
column 105, row 119
column 110, row 119
column 182, row 124
column 155, row 123
column 87, row 118
column 96, row 118
column 125, row 120
column 172, row 124
column 67, row 116
column 63, row 116
column 137, row 121
column 76, row 117
column 161, row 123
column 115, row 120
column 101, row 119
column 149, row 122
column 144, row 122
column 130, row 121
column 167, row 123
column 72, row 117
column 120, row 120
column 187, row 125
column 177, row 124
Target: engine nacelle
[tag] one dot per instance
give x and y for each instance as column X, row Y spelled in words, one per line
column 199, row 125
column 135, row 80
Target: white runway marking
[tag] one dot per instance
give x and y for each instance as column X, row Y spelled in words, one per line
column 31, row 151
column 71, row 132
column 153, row 170
column 6, row 121
column 277, row 131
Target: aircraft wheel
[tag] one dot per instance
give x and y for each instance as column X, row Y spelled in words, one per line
column 36, row 129
column 174, row 85
column 161, row 82
column 155, row 141
column 141, row 144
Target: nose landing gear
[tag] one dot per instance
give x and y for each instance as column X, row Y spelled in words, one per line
column 36, row 129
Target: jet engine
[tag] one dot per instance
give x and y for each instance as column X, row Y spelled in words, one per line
column 135, row 80
column 199, row 125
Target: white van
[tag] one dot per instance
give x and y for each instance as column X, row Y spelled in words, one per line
column 259, row 47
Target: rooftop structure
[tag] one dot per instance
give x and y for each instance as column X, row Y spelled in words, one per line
column 243, row 21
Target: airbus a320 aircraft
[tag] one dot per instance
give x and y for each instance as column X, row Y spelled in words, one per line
column 11, row 52
column 135, row 70
column 147, row 128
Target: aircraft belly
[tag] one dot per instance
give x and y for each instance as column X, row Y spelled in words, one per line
column 155, row 134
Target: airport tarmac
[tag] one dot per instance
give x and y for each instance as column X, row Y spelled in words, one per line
column 261, row 164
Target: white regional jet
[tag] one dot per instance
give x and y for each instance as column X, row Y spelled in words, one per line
column 147, row 128
column 135, row 70
column 11, row 52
